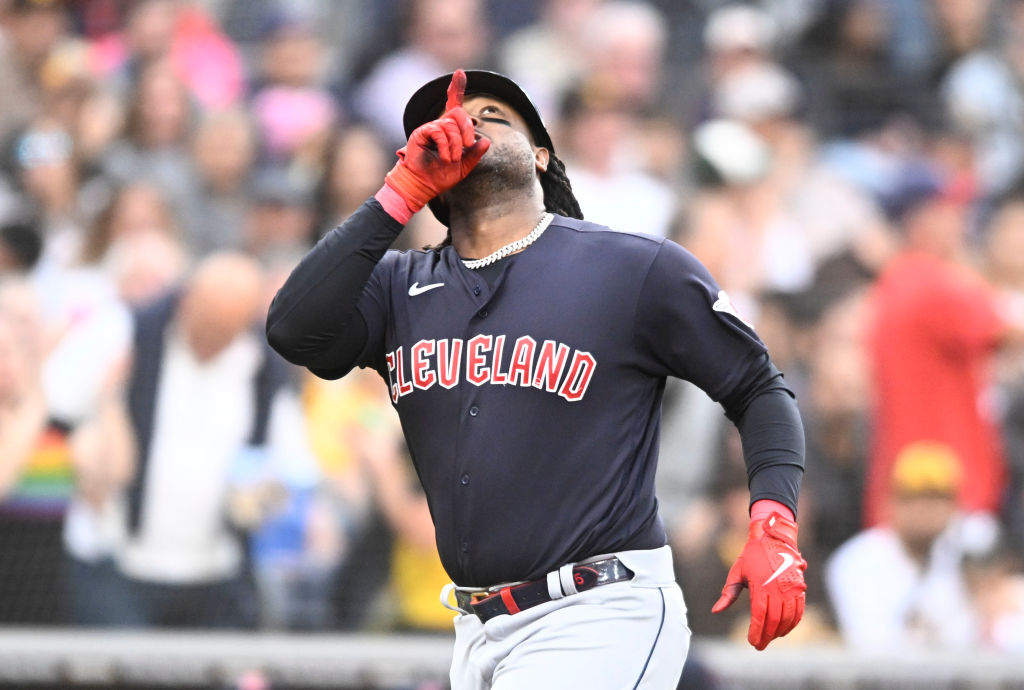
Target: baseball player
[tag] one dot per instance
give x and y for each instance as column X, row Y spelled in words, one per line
column 526, row 358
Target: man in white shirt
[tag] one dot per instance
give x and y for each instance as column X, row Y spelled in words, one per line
column 900, row 585
column 206, row 397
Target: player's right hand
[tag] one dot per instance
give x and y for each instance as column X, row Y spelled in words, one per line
column 440, row 153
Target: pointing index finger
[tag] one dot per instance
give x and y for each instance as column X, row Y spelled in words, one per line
column 456, row 90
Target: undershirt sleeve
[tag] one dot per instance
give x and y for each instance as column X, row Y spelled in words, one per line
column 314, row 320
column 768, row 419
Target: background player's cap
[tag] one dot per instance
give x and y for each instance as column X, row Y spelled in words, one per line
column 428, row 102
column 926, row 467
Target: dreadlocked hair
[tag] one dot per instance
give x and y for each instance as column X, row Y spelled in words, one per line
column 558, row 197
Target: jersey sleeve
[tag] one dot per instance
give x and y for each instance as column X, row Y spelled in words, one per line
column 330, row 308
column 372, row 311
column 687, row 327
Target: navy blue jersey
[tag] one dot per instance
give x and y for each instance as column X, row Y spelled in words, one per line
column 531, row 406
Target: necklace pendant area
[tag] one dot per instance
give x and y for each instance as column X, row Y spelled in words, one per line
column 511, row 248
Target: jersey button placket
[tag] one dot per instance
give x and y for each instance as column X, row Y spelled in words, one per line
column 469, row 445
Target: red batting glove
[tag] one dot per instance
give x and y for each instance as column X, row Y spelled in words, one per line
column 772, row 567
column 439, row 154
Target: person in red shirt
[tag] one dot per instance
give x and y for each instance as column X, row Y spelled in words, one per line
column 935, row 327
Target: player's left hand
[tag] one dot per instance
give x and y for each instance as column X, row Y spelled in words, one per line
column 772, row 567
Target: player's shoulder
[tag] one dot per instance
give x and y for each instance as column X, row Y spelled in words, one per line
column 406, row 259
column 604, row 241
column 597, row 233
column 609, row 241
column 411, row 265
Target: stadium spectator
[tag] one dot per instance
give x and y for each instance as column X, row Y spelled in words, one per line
column 932, row 336
column 137, row 262
column 208, row 405
column 145, row 265
column 20, row 247
column 280, row 214
column 82, row 308
column 339, row 413
column 983, row 97
column 707, row 537
column 927, row 37
column 30, row 28
column 549, row 56
column 224, row 148
column 35, row 469
column 180, row 32
column 835, row 402
column 624, row 47
column 898, row 585
column 416, row 573
column 132, row 208
column 741, row 218
column 995, row 582
column 47, row 175
column 846, row 61
column 155, row 145
column 292, row 108
column 600, row 130
column 731, row 37
column 354, row 165
column 809, row 213
column 440, row 36
column 1004, row 267
column 103, row 460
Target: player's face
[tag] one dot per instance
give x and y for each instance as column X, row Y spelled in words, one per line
column 499, row 122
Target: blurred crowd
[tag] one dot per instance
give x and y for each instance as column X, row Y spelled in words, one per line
column 851, row 172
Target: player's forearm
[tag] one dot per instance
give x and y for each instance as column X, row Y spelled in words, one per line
column 773, row 447
column 313, row 309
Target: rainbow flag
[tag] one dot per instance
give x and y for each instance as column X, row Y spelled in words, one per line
column 47, row 481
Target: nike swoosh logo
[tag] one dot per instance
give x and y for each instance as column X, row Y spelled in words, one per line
column 787, row 561
column 724, row 305
column 415, row 288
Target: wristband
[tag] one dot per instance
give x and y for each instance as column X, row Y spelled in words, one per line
column 764, row 507
column 393, row 203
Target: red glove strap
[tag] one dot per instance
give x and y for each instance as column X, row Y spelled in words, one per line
column 776, row 526
column 410, row 187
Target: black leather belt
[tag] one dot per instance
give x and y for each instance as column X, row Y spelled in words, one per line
column 564, row 582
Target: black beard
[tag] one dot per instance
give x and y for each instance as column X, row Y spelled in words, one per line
column 503, row 171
